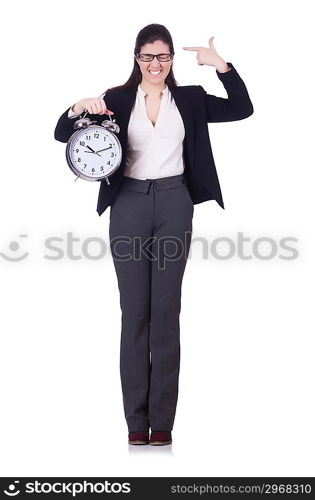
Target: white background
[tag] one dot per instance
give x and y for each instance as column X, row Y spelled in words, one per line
column 246, row 394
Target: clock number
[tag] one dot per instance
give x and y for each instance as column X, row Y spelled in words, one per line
column 96, row 135
column 85, row 165
column 102, row 168
column 112, row 154
column 79, row 159
column 93, row 169
column 88, row 137
column 82, row 143
column 108, row 163
column 77, row 150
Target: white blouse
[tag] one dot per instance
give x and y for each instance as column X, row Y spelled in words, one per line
column 154, row 150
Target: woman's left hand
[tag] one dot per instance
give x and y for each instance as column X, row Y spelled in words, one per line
column 208, row 56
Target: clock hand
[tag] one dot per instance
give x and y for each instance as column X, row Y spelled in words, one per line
column 103, row 149
column 90, row 149
column 95, row 152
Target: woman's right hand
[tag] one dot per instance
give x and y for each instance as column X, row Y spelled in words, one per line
column 94, row 106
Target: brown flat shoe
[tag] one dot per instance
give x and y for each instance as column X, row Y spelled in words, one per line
column 138, row 437
column 160, row 438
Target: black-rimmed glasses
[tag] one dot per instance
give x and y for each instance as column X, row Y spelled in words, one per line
column 150, row 57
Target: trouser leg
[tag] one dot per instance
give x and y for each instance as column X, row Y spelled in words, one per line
column 130, row 218
column 172, row 229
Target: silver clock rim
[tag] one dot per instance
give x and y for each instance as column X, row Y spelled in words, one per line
column 80, row 174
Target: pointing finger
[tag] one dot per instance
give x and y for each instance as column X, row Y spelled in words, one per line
column 192, row 48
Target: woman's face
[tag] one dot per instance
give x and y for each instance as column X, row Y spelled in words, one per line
column 146, row 68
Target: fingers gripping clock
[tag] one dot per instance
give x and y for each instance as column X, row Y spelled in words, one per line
column 94, row 152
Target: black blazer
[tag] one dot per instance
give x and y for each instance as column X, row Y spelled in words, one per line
column 197, row 108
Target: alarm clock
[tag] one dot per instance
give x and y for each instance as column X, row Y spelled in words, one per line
column 94, row 152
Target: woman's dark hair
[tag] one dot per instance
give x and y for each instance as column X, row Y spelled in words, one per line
column 150, row 34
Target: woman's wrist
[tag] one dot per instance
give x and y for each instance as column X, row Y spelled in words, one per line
column 221, row 66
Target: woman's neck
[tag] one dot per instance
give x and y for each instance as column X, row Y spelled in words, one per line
column 152, row 90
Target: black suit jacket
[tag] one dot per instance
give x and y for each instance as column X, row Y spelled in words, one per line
column 197, row 109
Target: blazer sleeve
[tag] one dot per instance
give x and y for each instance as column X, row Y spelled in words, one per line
column 238, row 104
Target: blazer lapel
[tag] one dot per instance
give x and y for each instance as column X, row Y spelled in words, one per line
column 182, row 104
column 127, row 101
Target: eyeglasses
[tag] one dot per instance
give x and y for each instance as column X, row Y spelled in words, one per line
column 150, row 57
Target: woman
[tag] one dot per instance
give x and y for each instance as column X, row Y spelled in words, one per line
column 166, row 168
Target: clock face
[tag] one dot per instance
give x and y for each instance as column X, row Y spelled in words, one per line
column 93, row 153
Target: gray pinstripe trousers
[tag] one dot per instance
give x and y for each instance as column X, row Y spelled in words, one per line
column 150, row 234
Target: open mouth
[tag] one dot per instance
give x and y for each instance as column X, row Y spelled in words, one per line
column 155, row 73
